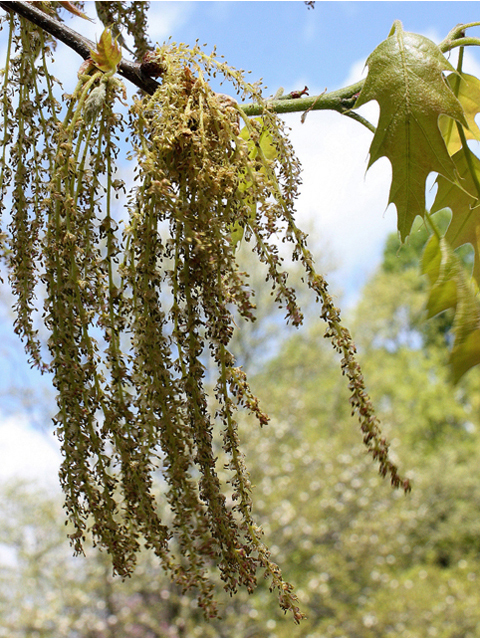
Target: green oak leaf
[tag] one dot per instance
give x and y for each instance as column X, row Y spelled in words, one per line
column 405, row 77
column 464, row 227
column 467, row 90
column 236, row 234
column 452, row 288
column 441, row 266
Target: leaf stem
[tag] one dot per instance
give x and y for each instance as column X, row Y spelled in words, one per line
column 456, row 37
column 356, row 116
column 458, row 30
column 448, row 45
column 461, row 133
column 435, row 229
column 342, row 100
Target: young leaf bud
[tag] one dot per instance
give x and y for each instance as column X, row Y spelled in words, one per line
column 95, row 101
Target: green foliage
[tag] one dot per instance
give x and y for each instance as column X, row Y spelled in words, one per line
column 261, row 142
column 366, row 561
column 107, row 55
column 421, row 130
column 401, row 258
column 405, row 77
column 450, row 288
column 467, row 90
column 463, row 227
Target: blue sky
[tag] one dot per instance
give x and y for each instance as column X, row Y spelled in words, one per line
column 285, row 41
column 289, row 45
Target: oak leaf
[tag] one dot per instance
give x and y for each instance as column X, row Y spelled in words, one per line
column 464, row 228
column 405, row 77
column 266, row 148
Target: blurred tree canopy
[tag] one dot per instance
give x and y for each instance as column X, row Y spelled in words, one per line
column 367, row 562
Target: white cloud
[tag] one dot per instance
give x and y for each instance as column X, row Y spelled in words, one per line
column 28, row 454
column 358, row 70
column 166, row 17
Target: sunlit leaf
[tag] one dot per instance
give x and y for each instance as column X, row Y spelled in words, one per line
column 265, row 140
column 440, row 266
column 269, row 153
column 466, row 349
column 405, row 77
column 467, row 89
column 237, row 234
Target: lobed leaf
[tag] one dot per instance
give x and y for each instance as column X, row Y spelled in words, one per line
column 405, row 77
column 464, row 227
column 108, row 54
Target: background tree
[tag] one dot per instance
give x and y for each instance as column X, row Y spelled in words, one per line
column 367, row 562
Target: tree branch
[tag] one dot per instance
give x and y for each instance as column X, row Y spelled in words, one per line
column 130, row 70
column 342, row 100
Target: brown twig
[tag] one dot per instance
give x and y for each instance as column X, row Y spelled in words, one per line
column 130, row 70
